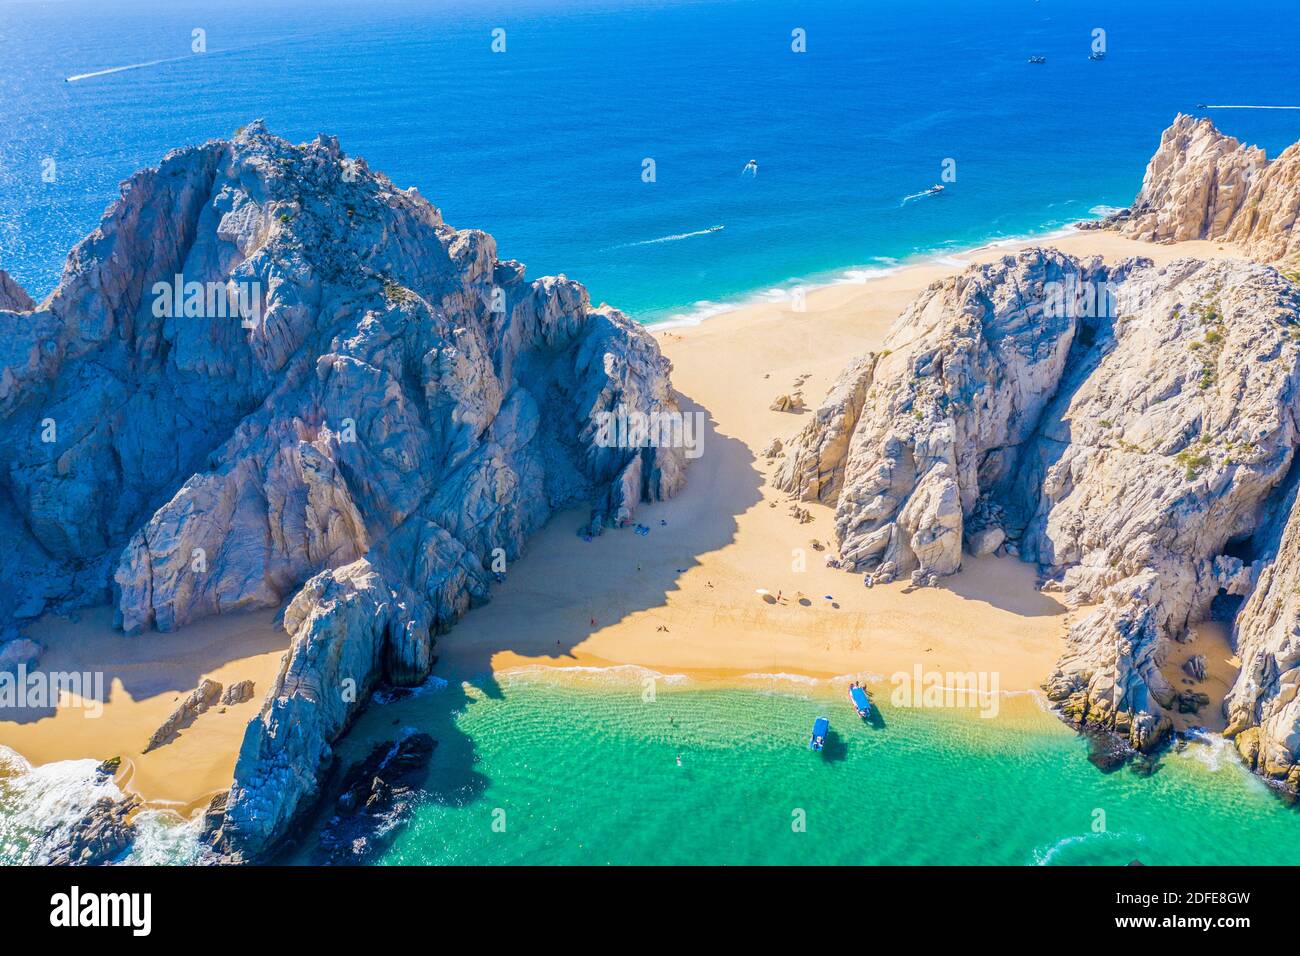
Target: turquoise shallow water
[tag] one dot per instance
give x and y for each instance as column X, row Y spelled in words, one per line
column 582, row 770
column 577, row 767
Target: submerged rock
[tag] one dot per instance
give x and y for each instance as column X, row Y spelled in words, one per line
column 103, row 836
column 376, row 798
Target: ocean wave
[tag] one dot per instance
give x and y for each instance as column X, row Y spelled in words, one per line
column 1044, row 855
column 165, row 838
column 1211, row 750
column 620, row 673
column 1103, row 211
column 704, row 309
column 39, row 805
column 390, row 694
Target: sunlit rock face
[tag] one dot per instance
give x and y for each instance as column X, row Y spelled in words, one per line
column 269, row 366
column 1125, row 440
column 1202, row 184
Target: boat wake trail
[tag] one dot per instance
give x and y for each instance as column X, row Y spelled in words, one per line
column 77, row 77
column 921, row 195
column 123, row 69
column 1213, row 106
column 679, row 236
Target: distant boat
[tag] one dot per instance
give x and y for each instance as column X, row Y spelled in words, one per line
column 821, row 726
column 861, row 702
column 715, row 229
column 1097, row 55
column 1201, row 106
column 934, row 190
column 1038, row 59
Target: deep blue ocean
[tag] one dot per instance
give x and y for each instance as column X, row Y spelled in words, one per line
column 543, row 145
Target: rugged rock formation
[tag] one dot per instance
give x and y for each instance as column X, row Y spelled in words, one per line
column 909, row 439
column 1201, row 184
column 101, row 837
column 376, row 798
column 237, row 693
column 200, row 700
column 1121, row 427
column 12, row 296
column 18, row 654
column 1263, row 707
column 340, row 390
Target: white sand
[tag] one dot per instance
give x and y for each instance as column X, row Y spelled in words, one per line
column 144, row 679
column 733, row 534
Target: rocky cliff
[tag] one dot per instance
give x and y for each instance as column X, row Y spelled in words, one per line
column 1263, row 708
column 271, row 375
column 1201, row 184
column 1125, row 428
column 12, row 296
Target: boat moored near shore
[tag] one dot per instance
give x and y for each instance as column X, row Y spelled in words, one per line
column 861, row 702
column 821, row 727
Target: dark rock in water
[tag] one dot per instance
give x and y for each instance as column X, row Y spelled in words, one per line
column 1107, row 752
column 102, row 836
column 109, row 767
column 1144, row 765
column 1136, row 863
column 376, row 798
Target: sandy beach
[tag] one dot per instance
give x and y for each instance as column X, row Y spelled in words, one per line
column 144, row 679
column 681, row 599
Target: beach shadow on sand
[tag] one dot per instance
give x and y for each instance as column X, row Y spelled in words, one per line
column 87, row 654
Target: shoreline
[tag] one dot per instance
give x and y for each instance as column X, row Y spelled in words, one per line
column 855, row 275
column 680, row 599
column 143, row 679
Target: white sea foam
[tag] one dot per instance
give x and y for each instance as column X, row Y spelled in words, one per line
column 39, row 804
column 620, row 673
column 1043, row 856
column 707, row 308
column 165, row 837
column 1212, row 751
column 432, row 684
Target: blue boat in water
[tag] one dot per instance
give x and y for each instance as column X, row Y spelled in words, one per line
column 821, row 727
column 861, row 702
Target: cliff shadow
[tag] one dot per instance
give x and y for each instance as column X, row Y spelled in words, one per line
column 560, row 593
column 99, row 664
